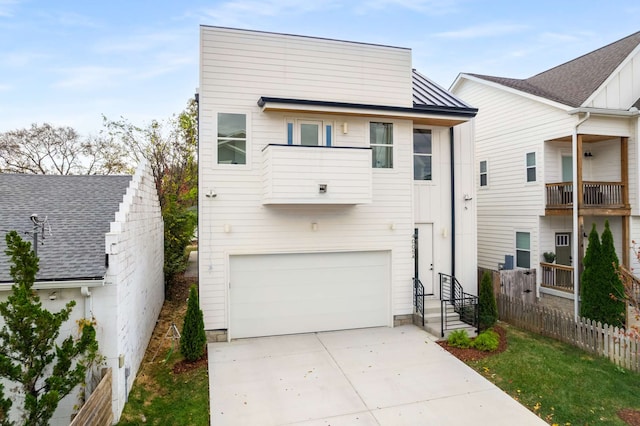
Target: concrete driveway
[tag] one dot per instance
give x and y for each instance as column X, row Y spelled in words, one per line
column 376, row 376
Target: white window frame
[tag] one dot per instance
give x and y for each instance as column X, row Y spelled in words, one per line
column 393, row 145
column 534, row 167
column 248, row 147
column 485, row 173
column 432, row 155
column 517, row 249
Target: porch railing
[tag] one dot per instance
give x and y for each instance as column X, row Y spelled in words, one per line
column 464, row 304
column 594, row 194
column 631, row 284
column 557, row 277
column 418, row 298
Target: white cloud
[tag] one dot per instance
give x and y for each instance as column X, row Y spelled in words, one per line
column 6, row 8
column 482, row 31
column 140, row 42
column 236, row 12
column 5, row 87
column 429, row 7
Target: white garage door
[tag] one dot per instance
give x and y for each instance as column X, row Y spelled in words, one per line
column 305, row 292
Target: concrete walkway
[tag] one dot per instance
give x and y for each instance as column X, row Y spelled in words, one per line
column 192, row 265
column 376, row 376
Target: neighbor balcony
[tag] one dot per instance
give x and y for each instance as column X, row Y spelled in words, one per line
column 557, row 277
column 297, row 174
column 598, row 198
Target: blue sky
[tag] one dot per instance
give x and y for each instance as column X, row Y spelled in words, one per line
column 69, row 62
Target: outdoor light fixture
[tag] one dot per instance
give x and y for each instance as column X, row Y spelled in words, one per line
column 588, row 154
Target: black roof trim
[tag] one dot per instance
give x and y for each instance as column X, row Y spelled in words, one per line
column 316, row 146
column 417, row 109
column 59, row 280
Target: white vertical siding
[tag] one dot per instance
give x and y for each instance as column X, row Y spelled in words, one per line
column 622, row 89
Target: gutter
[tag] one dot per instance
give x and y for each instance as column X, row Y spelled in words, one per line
column 60, row 284
column 632, row 112
column 453, row 205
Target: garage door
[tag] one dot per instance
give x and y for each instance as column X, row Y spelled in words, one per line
column 306, row 292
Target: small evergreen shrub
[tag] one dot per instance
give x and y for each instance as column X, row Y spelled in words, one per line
column 487, row 341
column 193, row 338
column 459, row 339
column 487, row 303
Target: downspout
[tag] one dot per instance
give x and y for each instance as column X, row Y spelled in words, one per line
column 577, row 234
column 453, row 205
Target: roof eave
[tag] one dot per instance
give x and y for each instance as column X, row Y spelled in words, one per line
column 59, row 284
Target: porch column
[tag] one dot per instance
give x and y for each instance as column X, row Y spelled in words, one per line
column 624, row 177
column 578, row 220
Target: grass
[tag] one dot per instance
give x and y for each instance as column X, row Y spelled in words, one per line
column 163, row 398
column 160, row 396
column 562, row 384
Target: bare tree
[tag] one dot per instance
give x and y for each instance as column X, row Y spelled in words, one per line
column 46, row 149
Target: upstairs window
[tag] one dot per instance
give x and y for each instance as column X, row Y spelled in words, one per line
column 422, row 151
column 381, row 141
column 484, row 173
column 523, row 250
column 309, row 132
column 232, row 138
column 531, row 167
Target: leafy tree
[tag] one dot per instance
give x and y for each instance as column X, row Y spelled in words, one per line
column 44, row 370
column 487, row 303
column 590, row 276
column 193, row 338
column 612, row 310
column 170, row 149
column 45, row 149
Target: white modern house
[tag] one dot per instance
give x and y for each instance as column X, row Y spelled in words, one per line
column 100, row 245
column 556, row 153
column 319, row 161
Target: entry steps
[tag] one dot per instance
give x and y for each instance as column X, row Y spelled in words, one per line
column 432, row 319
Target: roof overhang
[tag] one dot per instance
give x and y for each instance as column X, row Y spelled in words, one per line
column 429, row 115
column 58, row 284
column 623, row 113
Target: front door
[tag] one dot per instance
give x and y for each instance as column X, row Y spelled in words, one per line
column 425, row 256
column 563, row 257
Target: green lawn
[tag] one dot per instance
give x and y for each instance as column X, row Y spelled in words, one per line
column 564, row 385
column 160, row 397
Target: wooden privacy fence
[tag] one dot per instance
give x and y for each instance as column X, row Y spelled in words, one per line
column 596, row 338
column 97, row 409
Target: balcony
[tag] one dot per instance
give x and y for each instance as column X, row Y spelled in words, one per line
column 598, row 198
column 295, row 174
column 557, row 277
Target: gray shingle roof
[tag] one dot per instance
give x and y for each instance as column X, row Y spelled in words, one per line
column 573, row 82
column 79, row 211
column 428, row 93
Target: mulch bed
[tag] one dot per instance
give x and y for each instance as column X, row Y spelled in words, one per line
column 630, row 417
column 471, row 354
column 185, row 366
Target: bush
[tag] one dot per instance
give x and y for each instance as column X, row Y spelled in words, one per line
column 193, row 338
column 487, row 341
column 459, row 339
column 487, row 303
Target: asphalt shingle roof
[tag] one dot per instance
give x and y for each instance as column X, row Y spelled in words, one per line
column 573, row 82
column 79, row 210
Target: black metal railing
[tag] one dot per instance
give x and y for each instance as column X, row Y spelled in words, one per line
column 464, row 304
column 418, row 298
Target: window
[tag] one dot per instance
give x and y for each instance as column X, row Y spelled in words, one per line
column 484, row 175
column 422, row 151
column 531, row 167
column 381, row 141
column 232, row 138
column 523, row 249
column 309, row 133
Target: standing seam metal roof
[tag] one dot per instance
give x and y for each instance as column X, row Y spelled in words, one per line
column 79, row 210
column 428, row 93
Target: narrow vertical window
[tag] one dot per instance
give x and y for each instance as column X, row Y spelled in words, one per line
column 523, row 250
column 422, row 150
column 329, row 134
column 232, row 138
column 381, row 141
column 531, row 167
column 483, row 173
column 289, row 133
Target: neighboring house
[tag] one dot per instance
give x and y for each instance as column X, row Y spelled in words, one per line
column 102, row 247
column 556, row 153
column 319, row 159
